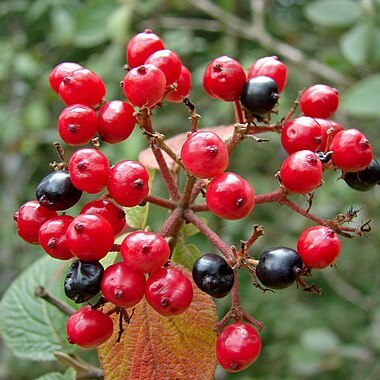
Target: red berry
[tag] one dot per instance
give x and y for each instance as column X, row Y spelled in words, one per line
column 319, row 247
column 122, row 286
column 89, row 328
column 77, row 124
column 89, row 170
column 82, row 86
column 168, row 62
column 144, row 86
column 89, row 237
column 319, row 100
column 237, row 346
column 141, row 46
column 128, row 183
column 224, row 78
column 145, row 251
column 230, row 196
column 303, row 133
column 204, row 154
column 52, row 237
column 30, row 217
column 116, row 121
column 183, row 86
column 109, row 211
column 270, row 67
column 301, row 172
column 329, row 129
column 169, row 291
column 61, row 71
column 352, row 151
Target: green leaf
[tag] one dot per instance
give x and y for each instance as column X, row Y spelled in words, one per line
column 119, row 22
column 362, row 99
column 185, row 254
column 333, row 13
column 31, row 327
column 63, row 26
column 68, row 375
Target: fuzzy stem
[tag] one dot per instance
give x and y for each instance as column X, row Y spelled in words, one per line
column 165, row 203
column 239, row 118
column 173, row 223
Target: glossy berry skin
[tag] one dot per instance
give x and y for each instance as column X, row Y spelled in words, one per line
column 183, row 86
column 224, row 78
column 279, row 267
column 116, row 121
column 89, row 237
column 128, row 183
column 123, row 286
column 109, row 211
column 169, row 291
column 237, row 346
column 82, row 86
column 259, row 95
column 270, row 67
column 301, row 172
column 319, row 101
column 141, row 46
column 168, row 62
column 365, row 179
column 89, row 328
column 204, row 154
column 56, row 191
column 89, row 169
column 319, row 247
column 29, row 218
column 52, row 237
column 329, row 129
column 144, row 86
column 213, row 275
column 352, row 151
column 302, row 133
column 144, row 251
column 83, row 280
column 61, row 71
column 77, row 124
column 229, row 196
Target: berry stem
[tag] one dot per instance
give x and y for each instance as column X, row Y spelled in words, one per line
column 40, row 292
column 187, row 192
column 173, row 223
column 165, row 203
column 239, row 118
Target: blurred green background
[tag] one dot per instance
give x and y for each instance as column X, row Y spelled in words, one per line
column 336, row 42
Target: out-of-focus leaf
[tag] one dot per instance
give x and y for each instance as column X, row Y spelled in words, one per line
column 36, row 114
column 37, row 9
column 63, row 26
column 185, row 254
column 68, row 375
column 119, row 22
column 320, row 340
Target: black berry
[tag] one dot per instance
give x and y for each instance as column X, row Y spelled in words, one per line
column 365, row 179
column 83, row 280
column 213, row 275
column 56, row 192
column 278, row 267
column 259, row 95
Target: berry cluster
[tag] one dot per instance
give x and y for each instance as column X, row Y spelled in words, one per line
column 155, row 75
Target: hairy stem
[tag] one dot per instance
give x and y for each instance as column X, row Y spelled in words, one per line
column 40, row 291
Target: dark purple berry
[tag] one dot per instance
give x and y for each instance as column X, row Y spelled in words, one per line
column 365, row 179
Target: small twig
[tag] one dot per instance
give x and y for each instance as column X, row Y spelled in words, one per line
column 83, row 370
column 162, row 202
column 40, row 292
column 256, row 233
column 172, row 224
column 239, row 117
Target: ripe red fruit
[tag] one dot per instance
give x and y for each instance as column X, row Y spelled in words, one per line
column 302, row 133
column 204, row 154
column 301, row 172
column 52, row 237
column 352, row 151
column 270, row 67
column 144, row 86
column 82, row 86
column 319, row 247
column 224, row 78
column 30, row 217
column 237, row 346
column 89, row 328
column 144, row 251
column 128, row 183
column 122, row 286
column 230, row 196
column 319, row 100
column 329, row 129
column 169, row 291
column 116, row 121
column 89, row 170
column 183, row 86
column 141, row 46
column 77, row 124
column 89, row 237
column 61, row 71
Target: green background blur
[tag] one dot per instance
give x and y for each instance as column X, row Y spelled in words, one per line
column 336, row 42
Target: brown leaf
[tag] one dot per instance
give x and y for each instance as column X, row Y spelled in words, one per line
column 155, row 347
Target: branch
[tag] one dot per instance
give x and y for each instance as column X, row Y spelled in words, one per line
column 40, row 291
